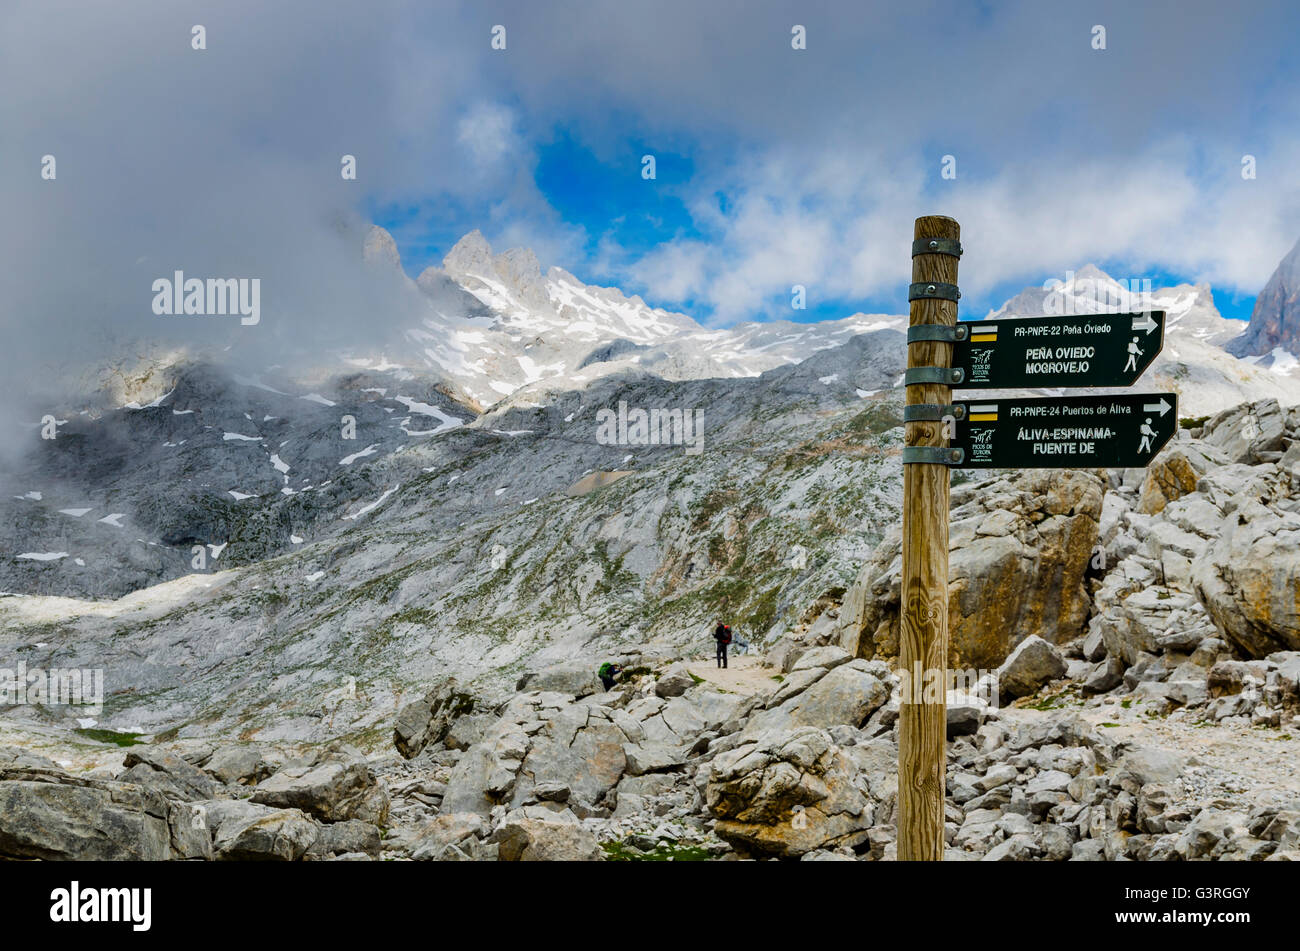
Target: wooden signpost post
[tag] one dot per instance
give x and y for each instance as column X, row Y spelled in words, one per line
column 923, row 620
column 1094, row 350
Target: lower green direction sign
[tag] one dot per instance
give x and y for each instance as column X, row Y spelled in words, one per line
column 1122, row 432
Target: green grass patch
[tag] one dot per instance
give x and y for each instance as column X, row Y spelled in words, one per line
column 878, row 418
column 1055, row 701
column 1047, row 703
column 663, row 852
column 111, row 736
column 712, row 504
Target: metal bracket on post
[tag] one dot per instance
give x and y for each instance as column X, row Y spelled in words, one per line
column 933, row 455
column 942, row 333
column 933, row 290
column 944, row 376
column 948, row 246
column 933, row 412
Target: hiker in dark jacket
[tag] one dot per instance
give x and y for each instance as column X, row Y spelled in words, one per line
column 607, row 674
column 722, row 634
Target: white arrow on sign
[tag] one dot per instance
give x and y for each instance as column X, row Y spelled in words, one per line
column 1162, row 407
column 1144, row 322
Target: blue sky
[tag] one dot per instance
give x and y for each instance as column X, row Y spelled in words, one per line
column 610, row 201
column 603, row 198
column 778, row 166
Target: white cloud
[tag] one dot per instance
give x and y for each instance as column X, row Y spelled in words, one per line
column 824, row 156
column 487, row 132
column 841, row 224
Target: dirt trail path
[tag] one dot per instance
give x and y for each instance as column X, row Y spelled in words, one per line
column 744, row 674
column 1250, row 764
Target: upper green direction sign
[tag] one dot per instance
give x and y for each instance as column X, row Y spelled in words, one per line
column 1088, row 350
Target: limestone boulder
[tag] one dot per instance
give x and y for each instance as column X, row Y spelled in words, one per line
column 1174, row 472
column 1144, row 617
column 846, row 695
column 674, row 722
column 652, row 758
column 282, row 835
column 525, row 837
column 582, row 748
column 674, row 681
column 1020, row 547
column 168, row 773
column 349, row 837
column 715, row 708
column 445, row 832
column 429, row 719
column 242, row 764
column 47, row 814
column 832, row 655
column 1249, row 579
column 1032, row 664
column 1245, row 431
column 541, row 740
column 573, row 678
column 334, row 785
column 787, row 793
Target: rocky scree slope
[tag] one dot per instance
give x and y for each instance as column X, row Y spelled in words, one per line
column 669, row 766
column 489, row 547
column 1157, row 723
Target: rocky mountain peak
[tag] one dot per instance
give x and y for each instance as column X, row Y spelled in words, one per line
column 521, row 272
column 1090, row 272
column 470, row 255
column 518, row 263
column 381, row 250
column 1275, row 321
column 1087, row 290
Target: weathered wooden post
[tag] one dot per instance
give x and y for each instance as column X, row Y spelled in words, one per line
column 923, row 621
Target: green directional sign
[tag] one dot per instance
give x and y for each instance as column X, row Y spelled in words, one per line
column 1123, row 432
column 1088, row 350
